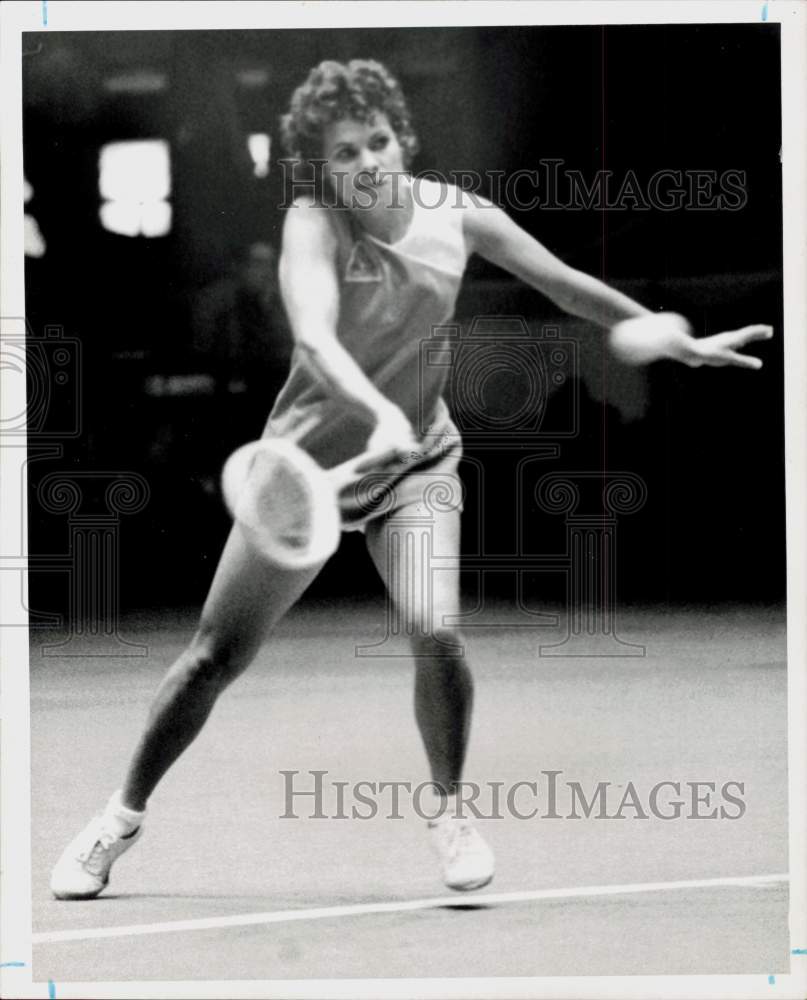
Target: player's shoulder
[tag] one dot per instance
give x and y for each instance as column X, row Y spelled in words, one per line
column 460, row 202
column 456, row 208
column 437, row 192
column 306, row 210
column 309, row 222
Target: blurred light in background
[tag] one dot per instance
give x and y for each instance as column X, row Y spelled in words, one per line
column 135, row 183
column 260, row 147
column 138, row 81
column 34, row 241
column 253, row 78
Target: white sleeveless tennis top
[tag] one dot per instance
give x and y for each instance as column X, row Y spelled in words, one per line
column 394, row 298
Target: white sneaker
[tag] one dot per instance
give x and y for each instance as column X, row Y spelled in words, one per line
column 83, row 869
column 466, row 859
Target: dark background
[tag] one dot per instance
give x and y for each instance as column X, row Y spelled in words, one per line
column 708, row 443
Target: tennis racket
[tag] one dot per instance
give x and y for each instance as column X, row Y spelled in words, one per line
column 285, row 503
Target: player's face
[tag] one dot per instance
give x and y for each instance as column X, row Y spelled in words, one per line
column 363, row 159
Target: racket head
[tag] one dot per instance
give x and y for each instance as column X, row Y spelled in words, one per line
column 283, row 502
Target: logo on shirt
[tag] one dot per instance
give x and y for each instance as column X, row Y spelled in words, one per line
column 362, row 265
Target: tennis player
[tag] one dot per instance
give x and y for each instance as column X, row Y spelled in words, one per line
column 372, row 260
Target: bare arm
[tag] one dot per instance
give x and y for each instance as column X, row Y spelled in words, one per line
column 310, row 292
column 638, row 336
column 492, row 234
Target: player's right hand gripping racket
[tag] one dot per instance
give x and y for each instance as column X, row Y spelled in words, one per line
column 285, row 503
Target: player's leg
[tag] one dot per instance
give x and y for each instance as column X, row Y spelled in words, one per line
column 427, row 600
column 247, row 597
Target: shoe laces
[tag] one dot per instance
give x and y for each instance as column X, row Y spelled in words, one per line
column 466, row 837
column 99, row 839
column 457, row 836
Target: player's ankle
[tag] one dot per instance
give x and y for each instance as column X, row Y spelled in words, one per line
column 122, row 818
column 131, row 800
column 442, row 807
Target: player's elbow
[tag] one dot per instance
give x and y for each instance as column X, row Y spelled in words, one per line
column 313, row 348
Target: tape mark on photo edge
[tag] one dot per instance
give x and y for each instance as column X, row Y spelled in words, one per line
column 12, row 965
column 799, row 951
column 51, row 989
column 771, row 980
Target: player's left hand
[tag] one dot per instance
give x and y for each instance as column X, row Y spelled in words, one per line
column 722, row 349
column 656, row 336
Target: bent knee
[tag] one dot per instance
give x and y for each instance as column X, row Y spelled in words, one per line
column 212, row 660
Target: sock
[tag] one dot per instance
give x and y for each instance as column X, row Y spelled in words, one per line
column 445, row 806
column 123, row 821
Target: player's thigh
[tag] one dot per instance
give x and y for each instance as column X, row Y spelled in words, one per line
column 417, row 556
column 247, row 597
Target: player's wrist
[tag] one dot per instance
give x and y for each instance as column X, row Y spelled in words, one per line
column 383, row 411
column 675, row 341
column 691, row 353
column 392, row 432
column 683, row 347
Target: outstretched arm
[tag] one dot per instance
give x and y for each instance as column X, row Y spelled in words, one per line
column 492, row 234
column 637, row 335
column 310, row 292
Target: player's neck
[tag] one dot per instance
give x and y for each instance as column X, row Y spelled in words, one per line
column 390, row 215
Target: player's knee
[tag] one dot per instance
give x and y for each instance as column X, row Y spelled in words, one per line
column 443, row 644
column 213, row 661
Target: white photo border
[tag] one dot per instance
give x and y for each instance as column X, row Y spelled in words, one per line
column 18, row 17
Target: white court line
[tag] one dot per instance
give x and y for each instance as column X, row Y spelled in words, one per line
column 359, row 909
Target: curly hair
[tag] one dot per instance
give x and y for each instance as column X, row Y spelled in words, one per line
column 334, row 91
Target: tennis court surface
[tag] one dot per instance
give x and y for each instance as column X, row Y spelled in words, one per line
column 222, row 887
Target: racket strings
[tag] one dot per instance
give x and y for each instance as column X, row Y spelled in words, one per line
column 277, row 503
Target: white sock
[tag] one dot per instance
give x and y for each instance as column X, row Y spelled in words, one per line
column 123, row 821
column 445, row 806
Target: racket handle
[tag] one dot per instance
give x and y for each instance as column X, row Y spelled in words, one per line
column 307, row 424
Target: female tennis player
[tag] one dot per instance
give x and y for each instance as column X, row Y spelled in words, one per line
column 372, row 260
